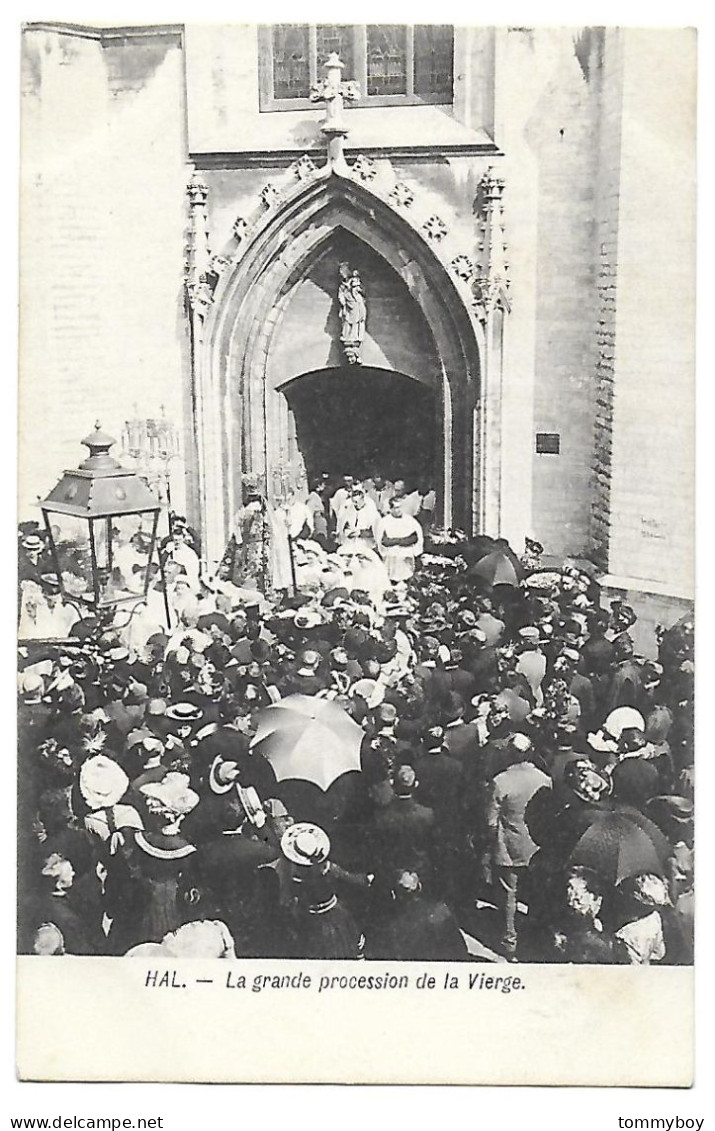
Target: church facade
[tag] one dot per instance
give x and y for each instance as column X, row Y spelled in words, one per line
column 431, row 251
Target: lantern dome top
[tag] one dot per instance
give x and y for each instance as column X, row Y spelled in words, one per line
column 100, row 486
column 99, row 444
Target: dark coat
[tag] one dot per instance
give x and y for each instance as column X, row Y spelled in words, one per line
column 404, row 835
column 440, row 778
column 417, row 930
column 462, row 741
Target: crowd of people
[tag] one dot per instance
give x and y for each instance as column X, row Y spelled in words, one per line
column 525, row 782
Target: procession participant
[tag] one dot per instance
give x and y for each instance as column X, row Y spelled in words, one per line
column 439, row 774
column 341, row 496
column 626, row 688
column 512, row 845
column 56, row 914
column 202, row 938
column 357, row 519
column 640, row 939
column 399, row 541
column 299, row 517
column 579, row 936
column 316, row 504
column 411, row 498
column 380, row 490
column 531, row 661
column 34, row 560
column 148, row 900
column 405, row 829
column 322, row 927
column 428, row 500
column 461, row 739
column 110, row 815
column 179, row 550
column 415, row 927
column 364, row 570
column 235, row 841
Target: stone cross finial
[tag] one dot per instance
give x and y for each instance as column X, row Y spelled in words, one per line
column 335, row 93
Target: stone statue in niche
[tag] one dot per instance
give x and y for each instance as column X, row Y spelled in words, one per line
column 353, row 313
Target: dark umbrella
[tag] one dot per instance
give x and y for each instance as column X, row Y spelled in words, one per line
column 616, row 847
column 500, row 567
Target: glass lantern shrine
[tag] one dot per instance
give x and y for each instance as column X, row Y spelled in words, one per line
column 101, row 522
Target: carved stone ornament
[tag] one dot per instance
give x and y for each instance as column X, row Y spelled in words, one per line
column 364, row 168
column 197, row 190
column 353, row 313
column 304, row 167
column 240, row 228
column 490, row 284
column 402, row 195
column 218, row 264
column 435, row 228
column 198, row 287
column 270, row 196
column 335, row 93
column 201, row 295
column 463, row 267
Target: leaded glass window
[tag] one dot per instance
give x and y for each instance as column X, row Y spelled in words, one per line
column 392, row 63
column 291, row 61
column 386, row 59
column 337, row 38
column 434, row 59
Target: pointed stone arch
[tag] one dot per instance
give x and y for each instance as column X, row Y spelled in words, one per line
column 234, row 322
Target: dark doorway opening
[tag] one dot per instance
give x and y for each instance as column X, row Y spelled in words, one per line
column 356, row 421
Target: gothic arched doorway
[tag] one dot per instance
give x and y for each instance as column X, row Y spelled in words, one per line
column 241, row 411
column 361, row 420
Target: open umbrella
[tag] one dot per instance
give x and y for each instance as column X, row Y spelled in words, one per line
column 308, row 738
column 500, row 567
column 616, row 847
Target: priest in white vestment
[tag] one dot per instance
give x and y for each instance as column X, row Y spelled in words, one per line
column 399, row 541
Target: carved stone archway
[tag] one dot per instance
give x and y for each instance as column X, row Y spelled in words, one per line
column 235, row 305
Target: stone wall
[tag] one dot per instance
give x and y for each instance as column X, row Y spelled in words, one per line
column 102, row 234
column 652, row 468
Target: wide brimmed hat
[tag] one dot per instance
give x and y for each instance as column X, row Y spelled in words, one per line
column 336, row 596
column 370, row 690
column 173, row 793
column 184, row 713
column 307, row 618
column 529, row 632
column 30, row 683
column 33, row 542
column 305, row 844
column 623, row 718
column 156, row 707
column 102, row 782
column 585, row 780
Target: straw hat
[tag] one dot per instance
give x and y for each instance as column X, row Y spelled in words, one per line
column 305, row 844
column 102, row 782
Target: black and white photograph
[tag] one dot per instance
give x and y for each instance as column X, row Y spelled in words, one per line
column 355, row 529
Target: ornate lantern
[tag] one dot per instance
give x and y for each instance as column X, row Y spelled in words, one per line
column 101, row 521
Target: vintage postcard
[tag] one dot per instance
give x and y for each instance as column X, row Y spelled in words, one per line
column 355, row 554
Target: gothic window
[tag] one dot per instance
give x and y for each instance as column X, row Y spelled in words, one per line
column 386, row 59
column 291, row 54
column 394, row 64
column 336, row 38
column 434, row 59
